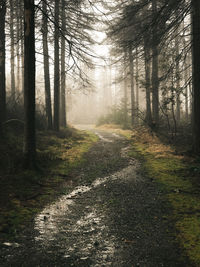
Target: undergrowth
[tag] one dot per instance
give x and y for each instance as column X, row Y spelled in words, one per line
column 23, row 193
column 178, row 176
column 118, row 116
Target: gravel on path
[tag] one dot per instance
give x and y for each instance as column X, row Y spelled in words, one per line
column 115, row 217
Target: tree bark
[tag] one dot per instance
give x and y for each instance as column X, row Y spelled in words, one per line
column 196, row 72
column 46, row 67
column 22, row 51
column 155, row 82
column 132, row 85
column 29, row 83
column 125, row 100
column 63, row 74
column 137, row 87
column 115, row 95
column 178, row 102
column 110, row 83
column 2, row 65
column 18, row 43
column 56, row 122
column 12, row 51
column 148, row 89
column 187, row 89
column 186, row 74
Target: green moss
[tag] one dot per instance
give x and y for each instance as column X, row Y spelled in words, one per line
column 26, row 192
column 179, row 180
column 167, row 171
column 189, row 236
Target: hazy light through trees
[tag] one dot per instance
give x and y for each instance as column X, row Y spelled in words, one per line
column 127, row 58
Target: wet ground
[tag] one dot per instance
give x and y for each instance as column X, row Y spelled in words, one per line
column 115, row 217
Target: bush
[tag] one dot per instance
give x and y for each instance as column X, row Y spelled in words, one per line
column 116, row 116
column 15, row 114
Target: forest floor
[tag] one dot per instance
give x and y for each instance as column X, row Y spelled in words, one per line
column 23, row 193
column 115, row 212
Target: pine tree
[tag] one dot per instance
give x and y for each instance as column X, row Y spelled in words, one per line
column 2, row 65
column 29, row 83
column 196, row 71
column 56, row 121
column 46, row 66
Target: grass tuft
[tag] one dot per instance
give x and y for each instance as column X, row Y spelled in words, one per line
column 23, row 192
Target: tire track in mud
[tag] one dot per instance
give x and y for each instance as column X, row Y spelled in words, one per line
column 116, row 220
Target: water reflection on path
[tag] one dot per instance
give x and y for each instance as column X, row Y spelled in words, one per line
column 76, row 220
column 83, row 232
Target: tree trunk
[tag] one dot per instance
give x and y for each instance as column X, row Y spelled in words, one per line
column 132, row 85
column 155, row 82
column 196, row 71
column 56, row 121
column 125, row 94
column 12, row 51
column 29, row 83
column 22, row 49
column 46, row 68
column 115, row 95
column 18, row 42
column 173, row 114
column 186, row 89
column 137, row 87
column 178, row 102
column 2, row 65
column 110, row 83
column 63, row 74
column 148, row 90
column 186, row 74
column 191, row 85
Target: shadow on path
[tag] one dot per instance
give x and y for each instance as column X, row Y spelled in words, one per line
column 114, row 218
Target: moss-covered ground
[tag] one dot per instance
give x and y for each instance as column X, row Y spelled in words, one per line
column 178, row 176
column 22, row 192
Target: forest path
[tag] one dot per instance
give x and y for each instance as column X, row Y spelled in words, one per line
column 115, row 217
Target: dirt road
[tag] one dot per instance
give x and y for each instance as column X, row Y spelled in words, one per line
column 115, row 217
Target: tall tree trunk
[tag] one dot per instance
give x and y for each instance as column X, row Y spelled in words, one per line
column 29, row 83
column 132, row 85
column 125, row 94
column 63, row 74
column 22, row 48
column 137, row 86
column 196, row 71
column 12, row 50
column 173, row 111
column 2, row 65
column 186, row 74
column 155, row 82
column 18, row 42
column 115, row 96
column 46, row 68
column 187, row 89
column 178, row 102
column 110, row 83
column 56, row 122
column 148, row 90
column 190, row 87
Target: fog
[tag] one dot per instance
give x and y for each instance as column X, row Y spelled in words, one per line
column 97, row 74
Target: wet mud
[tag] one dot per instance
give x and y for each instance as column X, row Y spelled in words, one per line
column 114, row 217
